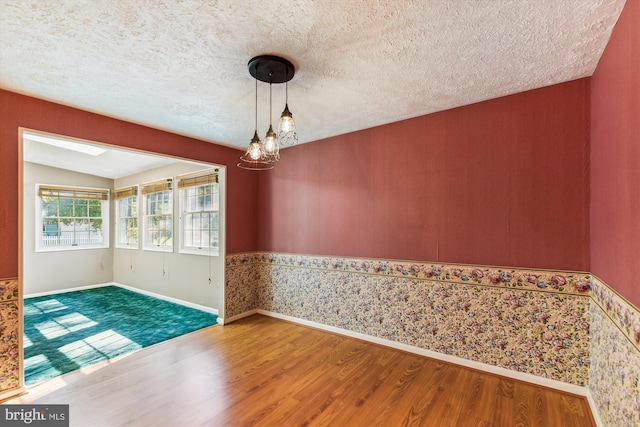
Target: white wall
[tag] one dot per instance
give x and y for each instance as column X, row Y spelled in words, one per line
column 181, row 276
column 176, row 275
column 50, row 271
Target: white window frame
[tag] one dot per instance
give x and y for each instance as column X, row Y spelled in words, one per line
column 40, row 246
column 186, row 185
column 121, row 196
column 146, row 191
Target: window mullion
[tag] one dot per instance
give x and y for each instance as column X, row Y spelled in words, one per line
column 72, row 218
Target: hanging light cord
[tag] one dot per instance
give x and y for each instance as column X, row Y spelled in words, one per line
column 269, row 100
column 210, row 242
column 256, row 104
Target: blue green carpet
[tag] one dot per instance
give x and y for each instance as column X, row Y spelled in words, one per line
column 68, row 331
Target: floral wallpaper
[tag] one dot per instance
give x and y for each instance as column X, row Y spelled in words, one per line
column 242, row 281
column 9, row 336
column 531, row 321
column 614, row 377
column 621, row 312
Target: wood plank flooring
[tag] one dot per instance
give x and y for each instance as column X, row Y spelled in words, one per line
column 261, row 371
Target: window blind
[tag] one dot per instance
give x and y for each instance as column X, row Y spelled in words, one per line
column 123, row 193
column 156, row 186
column 194, row 181
column 72, row 193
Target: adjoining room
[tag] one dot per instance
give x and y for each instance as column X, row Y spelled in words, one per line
column 102, row 278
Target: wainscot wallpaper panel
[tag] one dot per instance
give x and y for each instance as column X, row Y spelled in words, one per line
column 242, row 281
column 614, row 376
column 9, row 339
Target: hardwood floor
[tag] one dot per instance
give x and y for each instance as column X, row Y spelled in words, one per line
column 261, row 371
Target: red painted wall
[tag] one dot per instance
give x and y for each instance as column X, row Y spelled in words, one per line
column 615, row 158
column 502, row 182
column 18, row 110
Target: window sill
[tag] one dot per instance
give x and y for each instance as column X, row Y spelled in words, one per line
column 168, row 249
column 202, row 252
column 136, row 246
column 69, row 248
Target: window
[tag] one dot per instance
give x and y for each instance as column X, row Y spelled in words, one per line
column 71, row 218
column 200, row 217
column 126, row 217
column 158, row 215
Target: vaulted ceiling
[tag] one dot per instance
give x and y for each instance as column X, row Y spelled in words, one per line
column 182, row 65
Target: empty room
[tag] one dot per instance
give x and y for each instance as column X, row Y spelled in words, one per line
column 104, row 217
column 426, row 211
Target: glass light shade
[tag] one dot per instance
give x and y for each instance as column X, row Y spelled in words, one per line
column 255, row 152
column 256, row 149
column 256, row 157
column 271, row 146
column 286, row 123
column 287, row 128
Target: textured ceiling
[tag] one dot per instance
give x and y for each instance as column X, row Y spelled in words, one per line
column 181, row 65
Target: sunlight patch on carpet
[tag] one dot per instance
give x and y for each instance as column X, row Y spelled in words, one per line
column 63, row 325
column 68, row 331
column 46, row 306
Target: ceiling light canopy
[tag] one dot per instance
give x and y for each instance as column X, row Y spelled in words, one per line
column 263, row 155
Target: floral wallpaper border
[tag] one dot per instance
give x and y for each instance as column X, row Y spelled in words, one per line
column 578, row 283
column 10, row 363
column 621, row 312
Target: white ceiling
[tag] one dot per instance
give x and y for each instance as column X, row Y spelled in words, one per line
column 111, row 163
column 181, row 65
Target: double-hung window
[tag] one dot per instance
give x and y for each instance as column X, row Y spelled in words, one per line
column 199, row 213
column 71, row 218
column 126, row 217
column 158, row 215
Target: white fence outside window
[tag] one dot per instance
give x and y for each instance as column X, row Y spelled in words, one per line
column 79, row 239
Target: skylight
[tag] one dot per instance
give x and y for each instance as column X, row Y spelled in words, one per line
column 63, row 143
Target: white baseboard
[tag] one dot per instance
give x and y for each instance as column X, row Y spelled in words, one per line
column 166, row 298
column 243, row 315
column 63, row 291
column 594, row 409
column 12, row 393
column 521, row 376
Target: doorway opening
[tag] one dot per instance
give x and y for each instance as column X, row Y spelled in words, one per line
column 94, row 215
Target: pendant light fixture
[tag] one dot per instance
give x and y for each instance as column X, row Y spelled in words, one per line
column 263, row 155
column 271, row 146
column 256, row 157
column 287, row 135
